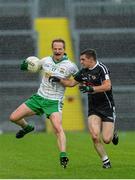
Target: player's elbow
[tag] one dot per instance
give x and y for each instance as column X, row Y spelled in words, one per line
column 108, row 87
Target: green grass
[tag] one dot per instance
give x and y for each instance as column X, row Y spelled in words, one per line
column 36, row 157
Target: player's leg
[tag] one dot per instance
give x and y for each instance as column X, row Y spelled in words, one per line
column 95, row 126
column 17, row 117
column 107, row 135
column 115, row 139
column 107, row 131
column 56, row 120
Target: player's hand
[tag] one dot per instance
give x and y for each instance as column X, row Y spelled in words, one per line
column 54, row 79
column 86, row 89
column 24, row 65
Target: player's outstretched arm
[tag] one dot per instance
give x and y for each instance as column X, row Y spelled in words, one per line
column 64, row 82
column 68, row 82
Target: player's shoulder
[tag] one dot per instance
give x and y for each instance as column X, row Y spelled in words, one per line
column 102, row 66
column 47, row 58
column 69, row 62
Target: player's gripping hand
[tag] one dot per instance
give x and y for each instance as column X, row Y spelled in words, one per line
column 54, row 79
column 24, row 65
column 86, row 89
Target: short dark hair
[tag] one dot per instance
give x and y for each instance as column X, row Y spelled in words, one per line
column 89, row 53
column 59, row 40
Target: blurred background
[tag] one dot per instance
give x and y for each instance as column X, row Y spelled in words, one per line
column 27, row 28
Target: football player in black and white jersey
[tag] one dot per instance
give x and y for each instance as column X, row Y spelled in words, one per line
column 94, row 79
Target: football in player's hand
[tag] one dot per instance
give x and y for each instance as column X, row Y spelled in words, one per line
column 33, row 64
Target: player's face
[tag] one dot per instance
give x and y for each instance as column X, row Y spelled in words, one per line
column 58, row 50
column 85, row 61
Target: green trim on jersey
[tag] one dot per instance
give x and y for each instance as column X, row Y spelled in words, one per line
column 41, row 105
column 65, row 57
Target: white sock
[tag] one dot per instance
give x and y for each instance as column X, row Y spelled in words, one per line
column 105, row 159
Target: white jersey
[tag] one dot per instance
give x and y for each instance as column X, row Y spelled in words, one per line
column 63, row 69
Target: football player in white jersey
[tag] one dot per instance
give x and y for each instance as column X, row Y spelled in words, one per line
column 49, row 97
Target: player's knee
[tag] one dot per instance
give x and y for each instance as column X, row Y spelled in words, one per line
column 58, row 129
column 107, row 140
column 12, row 118
column 95, row 138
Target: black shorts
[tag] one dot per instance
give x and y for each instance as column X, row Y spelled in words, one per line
column 106, row 114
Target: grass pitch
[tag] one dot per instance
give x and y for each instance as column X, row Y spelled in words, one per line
column 36, row 157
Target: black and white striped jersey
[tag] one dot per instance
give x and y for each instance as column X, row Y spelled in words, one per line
column 94, row 77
